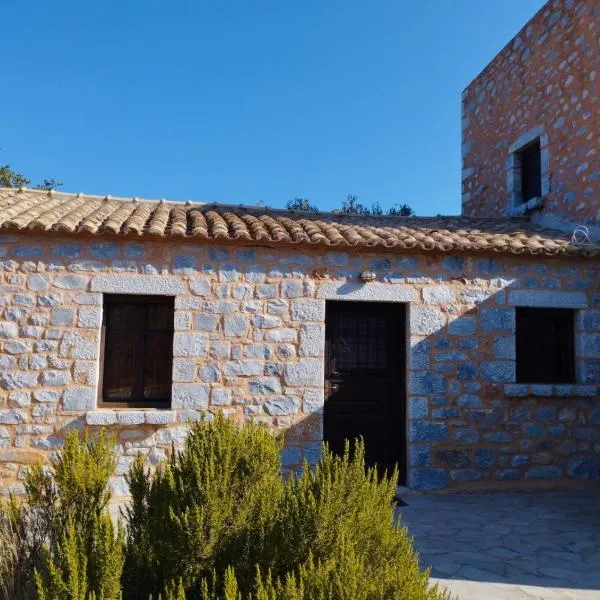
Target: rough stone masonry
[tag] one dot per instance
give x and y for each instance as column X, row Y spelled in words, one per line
column 249, row 341
column 544, row 84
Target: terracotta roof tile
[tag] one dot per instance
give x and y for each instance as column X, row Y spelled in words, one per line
column 36, row 210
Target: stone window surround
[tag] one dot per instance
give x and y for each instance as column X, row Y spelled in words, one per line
column 543, row 299
column 513, row 172
column 148, row 285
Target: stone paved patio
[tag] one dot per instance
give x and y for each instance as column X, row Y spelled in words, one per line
column 510, row 546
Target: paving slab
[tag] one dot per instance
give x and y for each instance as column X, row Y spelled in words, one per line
column 501, row 546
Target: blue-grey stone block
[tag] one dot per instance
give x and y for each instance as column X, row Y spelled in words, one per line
column 485, row 458
column 185, row 264
column 466, row 372
column 445, row 413
column 472, row 388
column 468, row 344
column 498, row 319
column 541, row 389
column 504, row 347
column 588, row 434
column 498, row 437
column 423, row 382
column 453, row 263
column 380, row 264
column 246, row 254
column 444, row 368
column 469, row 400
column 134, row 250
column 584, row 467
column 465, row 475
column 336, row 259
column 520, row 414
column 419, row 355
column 453, row 458
column 452, row 356
column 218, row 254
column 406, row 262
column 564, row 390
column 544, row 472
column 486, row 418
column 546, row 413
column 67, row 250
column 516, row 389
column 419, row 456
column 507, row 474
column 104, row 250
column 290, row 455
column 28, row 251
column 439, row 401
column 550, row 283
column 520, row 460
column 428, row 480
column 465, row 436
column 312, row 453
column 424, row 431
column 558, row 430
column 499, row 371
column 393, row 277
column 462, row 326
column 229, row 272
column 534, row 430
column 589, row 345
column 487, row 266
column 417, row 407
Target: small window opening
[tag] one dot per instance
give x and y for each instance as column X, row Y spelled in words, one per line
column 137, row 350
column 545, row 345
column 531, row 171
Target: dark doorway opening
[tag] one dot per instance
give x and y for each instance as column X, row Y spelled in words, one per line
column 365, row 368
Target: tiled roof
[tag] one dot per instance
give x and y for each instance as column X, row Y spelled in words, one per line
column 39, row 211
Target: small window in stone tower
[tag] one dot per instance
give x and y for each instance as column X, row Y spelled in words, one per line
column 137, row 350
column 545, row 345
column 531, row 171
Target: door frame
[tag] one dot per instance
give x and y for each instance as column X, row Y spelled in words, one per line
column 388, row 293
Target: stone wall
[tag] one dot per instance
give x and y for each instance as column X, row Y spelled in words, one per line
column 249, row 341
column 544, row 82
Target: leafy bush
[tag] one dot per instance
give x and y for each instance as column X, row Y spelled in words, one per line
column 214, row 522
column 64, row 540
column 210, row 506
column 219, row 523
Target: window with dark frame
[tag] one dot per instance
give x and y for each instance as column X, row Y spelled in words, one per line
column 531, row 171
column 137, row 350
column 545, row 345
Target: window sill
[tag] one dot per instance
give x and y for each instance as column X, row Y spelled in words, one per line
column 103, row 416
column 556, row 390
column 525, row 207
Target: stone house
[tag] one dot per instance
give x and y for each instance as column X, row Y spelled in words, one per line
column 465, row 349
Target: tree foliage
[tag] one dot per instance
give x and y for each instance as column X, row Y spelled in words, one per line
column 11, row 178
column 352, row 206
column 301, row 204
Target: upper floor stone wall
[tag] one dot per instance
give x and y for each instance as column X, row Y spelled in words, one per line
column 544, row 83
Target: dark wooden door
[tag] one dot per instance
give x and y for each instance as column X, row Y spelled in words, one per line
column 365, row 380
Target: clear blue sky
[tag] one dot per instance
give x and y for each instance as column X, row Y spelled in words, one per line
column 237, row 101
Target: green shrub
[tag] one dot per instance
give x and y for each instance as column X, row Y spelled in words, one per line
column 210, row 506
column 67, row 547
column 219, row 520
